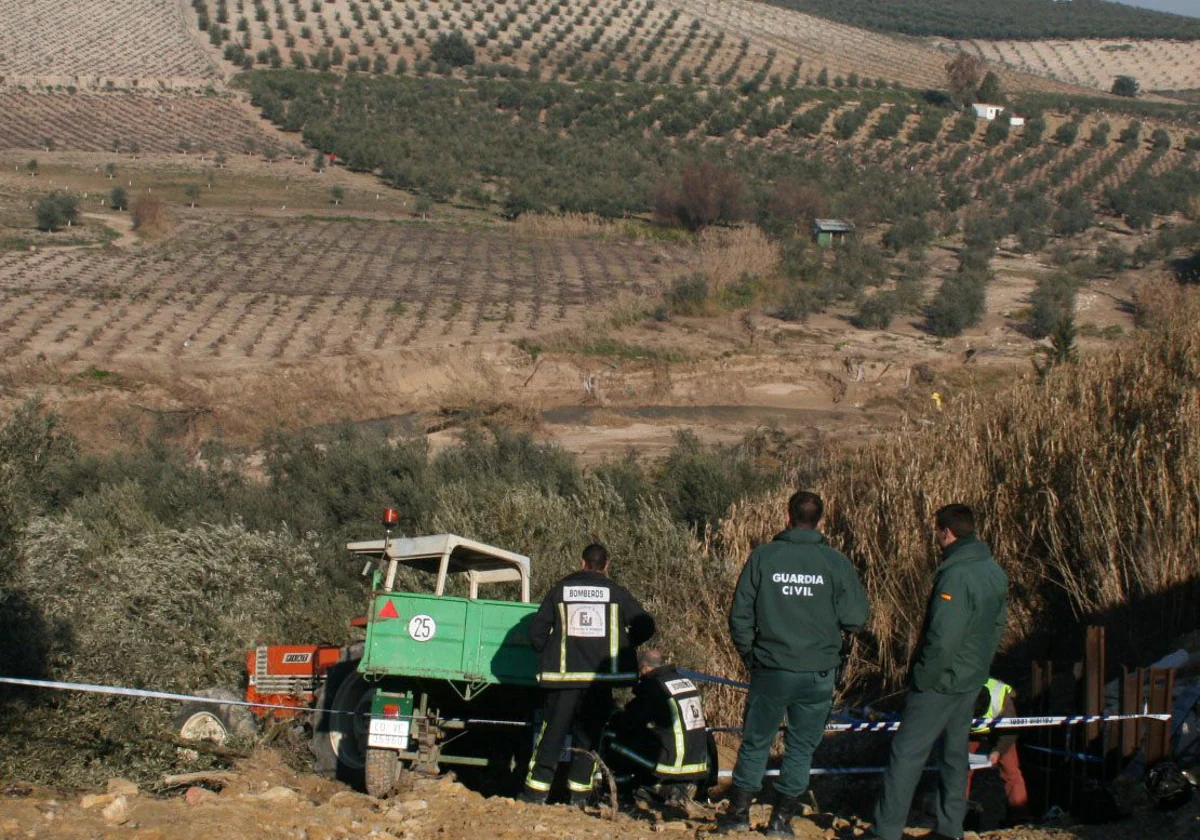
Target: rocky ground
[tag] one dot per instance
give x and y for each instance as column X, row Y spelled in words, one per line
column 263, row 798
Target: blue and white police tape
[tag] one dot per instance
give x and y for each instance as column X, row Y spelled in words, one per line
column 1001, row 722
column 856, row 726
column 146, row 694
column 700, row 676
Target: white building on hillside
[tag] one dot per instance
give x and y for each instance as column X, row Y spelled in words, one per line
column 987, row 112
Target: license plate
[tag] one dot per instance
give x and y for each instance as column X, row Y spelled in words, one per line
column 389, row 734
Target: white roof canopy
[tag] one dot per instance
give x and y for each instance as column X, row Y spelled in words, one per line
column 444, row 554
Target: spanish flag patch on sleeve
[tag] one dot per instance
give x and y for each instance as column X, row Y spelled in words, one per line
column 945, row 596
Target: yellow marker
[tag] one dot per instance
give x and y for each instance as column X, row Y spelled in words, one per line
column 937, row 400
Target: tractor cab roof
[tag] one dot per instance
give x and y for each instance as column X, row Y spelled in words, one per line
column 447, row 554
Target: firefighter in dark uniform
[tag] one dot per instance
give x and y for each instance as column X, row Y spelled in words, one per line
column 795, row 599
column 963, row 626
column 586, row 633
column 660, row 735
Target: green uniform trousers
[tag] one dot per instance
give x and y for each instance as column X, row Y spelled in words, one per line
column 928, row 716
column 805, row 697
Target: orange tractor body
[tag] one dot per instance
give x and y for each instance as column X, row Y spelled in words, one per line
column 287, row 675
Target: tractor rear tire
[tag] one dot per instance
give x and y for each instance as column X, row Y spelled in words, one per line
column 324, row 754
column 381, row 774
column 340, row 730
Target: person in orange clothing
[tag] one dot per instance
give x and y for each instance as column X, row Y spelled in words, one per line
column 996, row 700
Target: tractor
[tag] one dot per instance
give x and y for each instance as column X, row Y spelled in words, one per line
column 443, row 677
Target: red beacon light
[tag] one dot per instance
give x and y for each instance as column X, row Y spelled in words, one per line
column 391, row 517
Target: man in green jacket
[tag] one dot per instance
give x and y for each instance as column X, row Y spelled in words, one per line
column 963, row 626
column 795, row 598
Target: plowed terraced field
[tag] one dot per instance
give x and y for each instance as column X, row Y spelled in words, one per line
column 291, row 290
column 90, row 43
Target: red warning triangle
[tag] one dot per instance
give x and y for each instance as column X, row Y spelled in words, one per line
column 388, row 611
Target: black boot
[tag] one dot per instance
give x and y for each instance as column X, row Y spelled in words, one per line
column 737, row 815
column 781, row 816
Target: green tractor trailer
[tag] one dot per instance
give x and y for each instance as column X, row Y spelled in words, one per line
column 444, row 677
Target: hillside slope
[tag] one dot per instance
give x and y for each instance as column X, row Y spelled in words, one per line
column 724, row 43
column 1003, row 18
column 119, row 43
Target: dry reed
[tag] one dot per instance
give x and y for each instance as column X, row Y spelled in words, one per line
column 564, row 226
column 150, row 217
column 725, row 254
column 1088, row 482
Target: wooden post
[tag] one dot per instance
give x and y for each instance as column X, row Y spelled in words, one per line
column 1131, row 695
column 1161, row 696
column 1093, row 682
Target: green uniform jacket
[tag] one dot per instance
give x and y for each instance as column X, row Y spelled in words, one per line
column 794, row 598
column 965, row 621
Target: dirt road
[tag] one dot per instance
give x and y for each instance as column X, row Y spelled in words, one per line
column 263, row 798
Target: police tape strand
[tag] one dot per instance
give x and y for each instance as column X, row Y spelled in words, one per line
column 858, row 726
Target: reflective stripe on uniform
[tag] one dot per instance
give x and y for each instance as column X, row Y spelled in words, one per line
column 529, row 780
column 562, row 640
column 584, row 676
column 614, row 639
column 677, row 727
column 998, row 692
column 576, row 787
column 661, row 769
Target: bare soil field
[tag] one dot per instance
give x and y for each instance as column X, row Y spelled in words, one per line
column 1158, row 65
column 101, row 43
column 263, row 798
column 146, row 123
column 270, row 306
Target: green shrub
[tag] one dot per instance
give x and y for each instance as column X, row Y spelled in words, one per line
column 877, row 311
column 1067, row 133
column 908, row 233
column 963, row 130
column 453, row 49
column 118, row 198
column 958, row 304
column 1053, row 300
column 997, row 132
column 688, row 295
column 1125, row 86
column 56, row 210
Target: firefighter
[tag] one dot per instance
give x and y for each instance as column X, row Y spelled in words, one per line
column 660, row 735
column 586, row 633
column 963, row 625
column 795, row 599
column 996, row 700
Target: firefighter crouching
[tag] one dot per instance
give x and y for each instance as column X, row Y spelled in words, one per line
column 659, row 739
column 586, row 633
column 995, row 700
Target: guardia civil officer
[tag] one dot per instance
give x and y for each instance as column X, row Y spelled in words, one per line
column 795, row 598
column 660, row 736
column 965, row 620
column 586, row 632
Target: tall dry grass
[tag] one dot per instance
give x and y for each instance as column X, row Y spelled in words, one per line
column 1088, row 483
column 564, row 225
column 725, row 254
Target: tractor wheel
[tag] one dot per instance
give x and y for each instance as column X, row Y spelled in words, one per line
column 212, row 723
column 201, row 722
column 382, row 772
column 340, row 731
column 326, row 758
